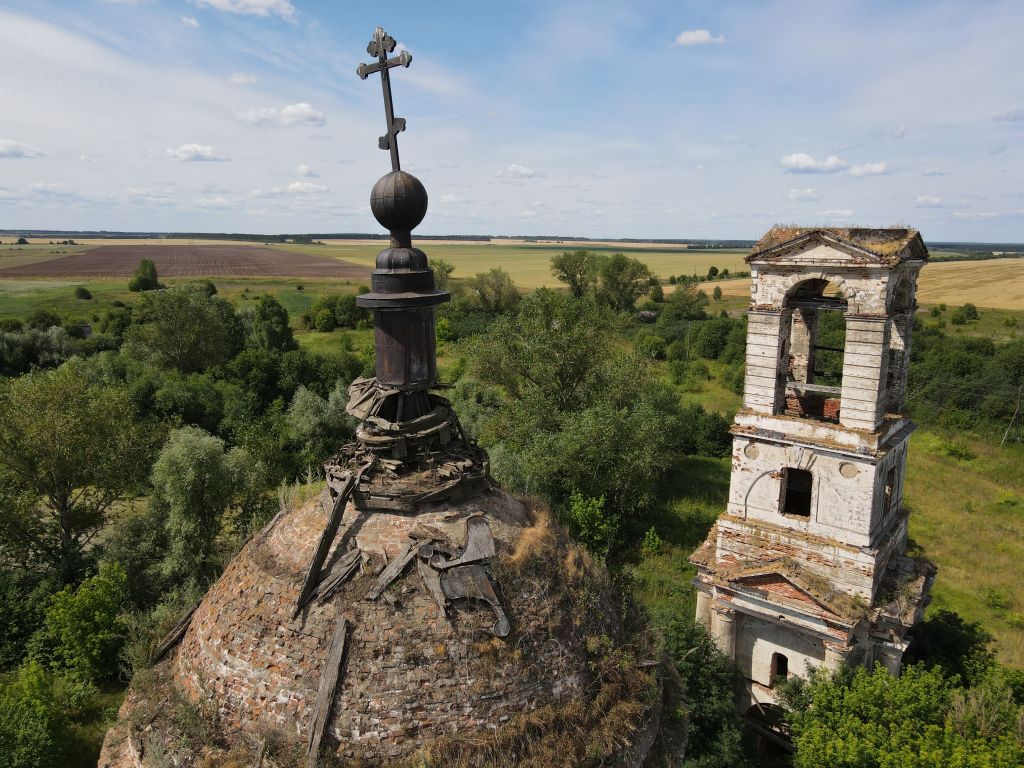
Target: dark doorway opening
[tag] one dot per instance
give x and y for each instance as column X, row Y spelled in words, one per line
column 796, row 492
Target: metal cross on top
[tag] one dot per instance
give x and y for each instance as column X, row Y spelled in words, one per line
column 381, row 45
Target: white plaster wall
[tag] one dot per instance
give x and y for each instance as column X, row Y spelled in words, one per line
column 841, row 507
column 756, row 641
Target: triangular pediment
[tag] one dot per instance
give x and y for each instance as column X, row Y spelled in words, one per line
column 789, row 580
column 837, row 246
column 774, row 583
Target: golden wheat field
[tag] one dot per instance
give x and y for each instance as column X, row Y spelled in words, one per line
column 993, row 283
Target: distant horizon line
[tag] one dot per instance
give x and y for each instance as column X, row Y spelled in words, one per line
column 256, row 236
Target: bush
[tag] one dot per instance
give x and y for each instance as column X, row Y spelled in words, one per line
column 83, row 627
column 965, row 314
column 42, row 319
column 145, row 277
column 713, row 336
column 34, row 711
column 81, row 292
column 657, row 293
column 591, row 523
column 650, row 346
column 10, row 325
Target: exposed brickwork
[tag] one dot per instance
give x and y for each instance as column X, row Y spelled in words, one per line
column 409, row 676
column 812, row 406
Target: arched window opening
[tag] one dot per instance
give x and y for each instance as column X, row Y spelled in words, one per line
column 890, row 492
column 796, row 492
column 813, row 374
column 780, row 668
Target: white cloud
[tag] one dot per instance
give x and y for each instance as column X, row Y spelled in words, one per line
column 807, row 193
column 281, row 8
column 214, row 202
column 305, row 170
column 934, row 172
column 58, row 188
column 868, row 169
column 928, row 201
column 190, row 21
column 1013, row 116
column 516, row 171
column 800, row 162
column 242, row 78
column 697, row 37
column 293, row 114
column 306, row 187
column 452, row 199
column 977, row 214
column 10, row 148
column 837, row 213
column 196, row 152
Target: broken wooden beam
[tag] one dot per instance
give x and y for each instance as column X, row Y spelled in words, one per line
column 342, row 572
column 173, row 637
column 392, row 571
column 325, row 692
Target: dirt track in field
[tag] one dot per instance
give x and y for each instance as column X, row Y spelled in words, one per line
column 191, row 261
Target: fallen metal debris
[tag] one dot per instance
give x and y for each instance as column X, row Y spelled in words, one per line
column 479, row 545
column 471, row 581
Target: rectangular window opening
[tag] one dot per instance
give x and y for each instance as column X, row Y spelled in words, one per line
column 796, row 492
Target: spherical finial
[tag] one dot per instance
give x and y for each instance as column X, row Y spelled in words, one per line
column 398, row 201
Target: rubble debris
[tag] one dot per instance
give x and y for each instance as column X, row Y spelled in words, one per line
column 325, row 692
column 472, row 581
column 432, row 582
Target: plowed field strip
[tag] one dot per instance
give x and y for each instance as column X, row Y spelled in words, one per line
column 191, row 261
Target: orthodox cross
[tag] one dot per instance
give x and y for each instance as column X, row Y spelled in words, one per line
column 381, row 45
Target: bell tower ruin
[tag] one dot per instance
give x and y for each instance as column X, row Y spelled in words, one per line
column 807, row 566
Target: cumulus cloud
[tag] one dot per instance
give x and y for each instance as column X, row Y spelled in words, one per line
column 292, row 114
column 242, row 78
column 516, row 171
column 452, row 199
column 837, row 213
column 190, row 21
column 281, row 8
column 307, row 171
column 807, row 193
column 196, row 152
column 868, row 169
column 928, row 201
column 698, row 37
column 306, row 187
column 1013, row 116
column 9, row 148
column 801, row 162
column 219, row 201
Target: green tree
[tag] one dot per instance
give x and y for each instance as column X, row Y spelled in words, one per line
column 717, row 293
column 623, row 281
column 35, row 708
column 83, row 632
column 318, row 424
column 194, row 482
column 920, row 719
column 183, row 328
column 657, row 293
column 73, row 449
column 577, row 269
column 577, row 414
column 145, row 278
column 493, row 291
column 270, row 328
column 712, row 272
column 42, row 319
column 442, row 273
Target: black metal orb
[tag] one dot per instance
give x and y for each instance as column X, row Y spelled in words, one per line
column 398, row 201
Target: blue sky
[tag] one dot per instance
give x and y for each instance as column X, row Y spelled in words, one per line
column 638, row 119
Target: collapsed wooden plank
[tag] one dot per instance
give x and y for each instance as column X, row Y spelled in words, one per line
column 173, row 637
column 323, row 546
column 392, row 571
column 342, row 571
column 325, row 692
column 432, row 581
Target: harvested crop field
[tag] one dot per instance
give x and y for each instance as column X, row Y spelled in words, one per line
column 191, row 261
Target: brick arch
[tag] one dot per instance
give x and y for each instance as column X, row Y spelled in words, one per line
column 850, row 293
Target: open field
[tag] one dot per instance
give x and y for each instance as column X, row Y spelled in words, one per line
column 530, row 263
column 994, row 283
column 191, row 261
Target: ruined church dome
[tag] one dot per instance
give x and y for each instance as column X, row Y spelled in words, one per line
column 417, row 687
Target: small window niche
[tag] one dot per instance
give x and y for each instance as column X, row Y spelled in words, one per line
column 780, row 668
column 796, row 492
